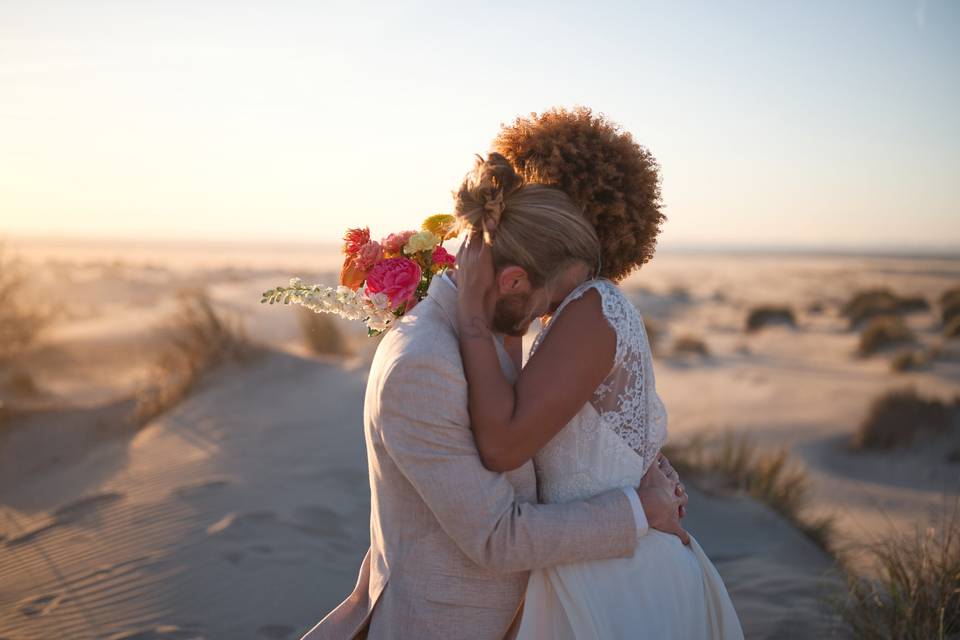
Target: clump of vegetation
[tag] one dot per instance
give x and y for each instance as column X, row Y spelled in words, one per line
column 321, row 332
column 952, row 329
column 897, row 417
column 690, row 345
column 916, row 592
column 198, row 339
column 765, row 315
column 20, row 382
column 882, row 332
column 871, row 303
column 909, row 359
column 654, row 332
column 680, row 293
column 950, row 305
column 769, row 476
column 20, row 323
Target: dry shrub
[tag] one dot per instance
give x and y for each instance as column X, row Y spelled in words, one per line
column 20, row 382
column 20, row 325
column 764, row 315
column 871, row 303
column 950, row 305
column 655, row 332
column 909, row 359
column 769, row 476
column 321, row 332
column 897, row 417
column 197, row 340
column 882, row 332
column 691, row 345
column 916, row 592
column 952, row 328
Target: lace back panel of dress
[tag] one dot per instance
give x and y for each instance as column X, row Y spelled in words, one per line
column 626, row 400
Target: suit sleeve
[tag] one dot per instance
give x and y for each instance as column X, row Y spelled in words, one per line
column 421, row 423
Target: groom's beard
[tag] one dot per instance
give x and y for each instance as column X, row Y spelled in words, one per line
column 511, row 314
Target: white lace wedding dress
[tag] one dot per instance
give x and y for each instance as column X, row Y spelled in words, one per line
column 667, row 589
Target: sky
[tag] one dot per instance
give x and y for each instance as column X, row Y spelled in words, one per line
column 801, row 124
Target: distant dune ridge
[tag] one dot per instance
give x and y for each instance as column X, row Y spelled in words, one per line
column 242, row 508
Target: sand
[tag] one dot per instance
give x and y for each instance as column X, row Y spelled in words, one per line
column 243, row 512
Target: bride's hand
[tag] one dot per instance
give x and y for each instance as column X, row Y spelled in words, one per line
column 475, row 277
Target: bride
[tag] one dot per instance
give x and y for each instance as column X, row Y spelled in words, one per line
column 585, row 406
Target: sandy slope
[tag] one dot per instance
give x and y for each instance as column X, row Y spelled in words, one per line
column 244, row 512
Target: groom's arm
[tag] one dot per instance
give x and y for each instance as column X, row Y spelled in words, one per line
column 422, row 414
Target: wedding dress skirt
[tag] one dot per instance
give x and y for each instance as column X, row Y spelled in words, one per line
column 667, row 590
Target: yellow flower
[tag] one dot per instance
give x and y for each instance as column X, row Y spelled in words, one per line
column 423, row 241
column 442, row 225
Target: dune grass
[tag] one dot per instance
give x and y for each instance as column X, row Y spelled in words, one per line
column 765, row 315
column 21, row 324
column 655, row 333
column 198, row 339
column 909, row 360
column 690, row 345
column 952, row 328
column 916, row 592
column 321, row 332
column 871, row 303
column 768, row 476
column 897, row 417
column 882, row 332
column 950, row 307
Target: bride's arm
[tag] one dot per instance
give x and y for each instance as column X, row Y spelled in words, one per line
column 512, row 422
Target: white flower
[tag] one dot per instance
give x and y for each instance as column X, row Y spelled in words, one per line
column 295, row 282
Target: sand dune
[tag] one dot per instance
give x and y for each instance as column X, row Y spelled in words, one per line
column 243, row 512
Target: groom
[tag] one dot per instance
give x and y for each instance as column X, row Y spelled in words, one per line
column 451, row 543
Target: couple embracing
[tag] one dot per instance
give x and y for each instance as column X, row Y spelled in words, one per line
column 531, row 500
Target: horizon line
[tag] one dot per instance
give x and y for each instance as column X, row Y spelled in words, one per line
column 778, row 247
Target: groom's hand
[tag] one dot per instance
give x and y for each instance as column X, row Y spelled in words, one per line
column 661, row 503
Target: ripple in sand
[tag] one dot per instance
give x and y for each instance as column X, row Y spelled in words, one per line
column 275, row 631
column 200, row 489
column 161, row 632
column 40, row 605
column 70, row 513
column 241, row 525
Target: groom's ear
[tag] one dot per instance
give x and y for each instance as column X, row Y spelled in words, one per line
column 512, row 280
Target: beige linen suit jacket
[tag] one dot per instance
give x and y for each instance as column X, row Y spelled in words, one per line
column 451, row 543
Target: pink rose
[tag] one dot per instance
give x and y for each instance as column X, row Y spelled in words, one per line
column 397, row 278
column 393, row 244
column 441, row 259
column 368, row 255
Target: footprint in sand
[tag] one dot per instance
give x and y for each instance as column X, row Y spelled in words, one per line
column 318, row 520
column 200, row 489
column 241, row 526
column 161, row 632
column 70, row 513
column 39, row 605
column 274, row 631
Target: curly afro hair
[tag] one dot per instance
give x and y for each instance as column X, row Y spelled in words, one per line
column 613, row 179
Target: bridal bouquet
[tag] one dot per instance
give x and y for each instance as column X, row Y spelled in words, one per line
column 379, row 281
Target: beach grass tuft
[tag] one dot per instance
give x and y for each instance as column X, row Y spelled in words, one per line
column 766, row 315
column 198, row 338
column 897, row 417
column 915, row 593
